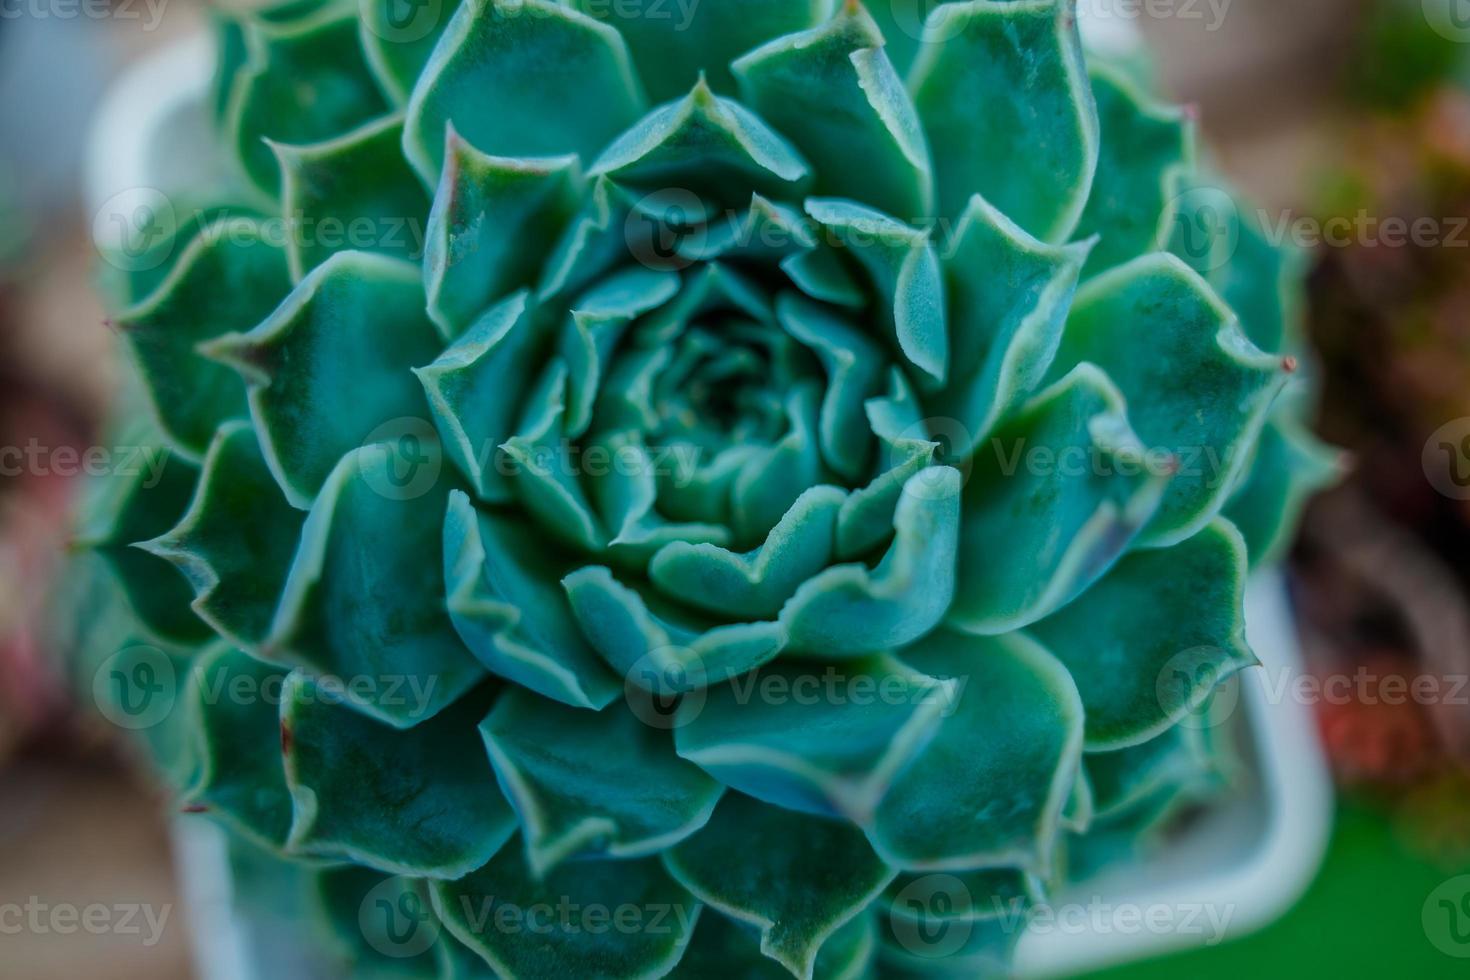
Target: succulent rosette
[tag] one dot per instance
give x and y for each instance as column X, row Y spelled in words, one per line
column 800, row 490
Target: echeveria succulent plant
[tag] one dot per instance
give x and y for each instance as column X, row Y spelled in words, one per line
column 851, row 458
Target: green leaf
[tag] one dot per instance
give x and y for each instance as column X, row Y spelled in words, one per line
column 236, row 541
column 143, row 494
column 236, row 701
column 674, row 43
column 766, row 232
column 826, row 740
column 625, row 488
column 358, row 785
column 521, row 78
column 379, row 927
column 363, row 605
column 906, row 274
column 1054, row 498
column 330, row 365
column 1150, row 640
column 866, row 519
column 304, row 81
column 702, row 143
column 755, row 584
column 507, row 604
column 494, row 223
column 852, row 609
column 597, row 322
column 475, row 390
column 1001, row 83
column 229, row 279
column 1146, row 152
column 659, row 646
column 833, row 92
column 1008, row 298
column 1261, row 282
column 854, row 368
column 1126, row 779
column 592, row 783
column 398, row 36
column 724, row 947
column 988, row 790
column 353, row 191
column 1198, row 390
column 798, row 878
column 1289, row 466
column 589, row 919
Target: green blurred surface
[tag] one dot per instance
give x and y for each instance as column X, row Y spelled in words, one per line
column 1361, row 918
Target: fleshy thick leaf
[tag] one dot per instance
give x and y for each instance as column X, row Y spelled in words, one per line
column 1002, row 83
column 398, row 36
column 1152, row 638
column 592, row 783
column 723, row 947
column 378, row 927
column 363, row 604
column 1054, row 498
column 304, row 81
column 822, row 740
column 330, row 365
column 229, row 279
column 834, row 93
column 1290, row 464
column 797, row 878
column 673, row 45
column 1008, row 298
column 475, row 390
column 359, row 785
column 494, row 223
column 758, row 583
column 705, row 144
column 905, row 273
column 989, row 789
column 1198, row 390
column 854, row 368
column 236, row 540
column 235, row 699
column 351, row 192
column 507, row 604
column 145, row 493
column 590, row 919
column 658, row 646
column 1147, row 151
column 521, row 78
column 851, row 609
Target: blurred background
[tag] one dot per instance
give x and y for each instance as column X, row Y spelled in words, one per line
column 1345, row 122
